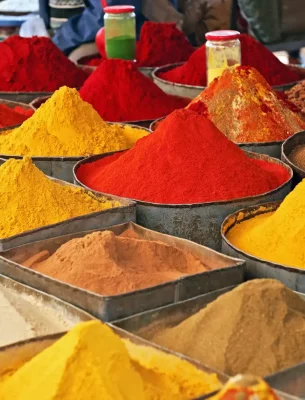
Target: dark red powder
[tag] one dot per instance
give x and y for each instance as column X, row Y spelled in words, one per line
column 36, row 65
column 91, row 61
column 13, row 116
column 253, row 53
column 186, row 160
column 162, row 44
column 119, row 92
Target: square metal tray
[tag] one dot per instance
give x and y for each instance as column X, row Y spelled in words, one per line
column 225, row 270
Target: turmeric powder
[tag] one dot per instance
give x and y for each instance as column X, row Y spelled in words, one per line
column 29, row 199
column 67, row 126
column 277, row 236
column 92, row 362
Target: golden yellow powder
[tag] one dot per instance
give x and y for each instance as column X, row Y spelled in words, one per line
column 29, row 199
column 92, row 362
column 168, row 377
column 67, row 126
column 279, row 236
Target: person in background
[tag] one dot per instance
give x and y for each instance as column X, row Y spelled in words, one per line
column 82, row 28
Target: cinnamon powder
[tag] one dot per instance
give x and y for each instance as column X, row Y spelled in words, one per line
column 257, row 328
column 108, row 264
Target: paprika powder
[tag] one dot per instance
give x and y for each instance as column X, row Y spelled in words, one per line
column 253, row 53
column 13, row 116
column 36, row 65
column 186, row 160
column 245, row 108
column 119, row 92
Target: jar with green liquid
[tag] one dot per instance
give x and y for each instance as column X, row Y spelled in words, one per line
column 120, row 32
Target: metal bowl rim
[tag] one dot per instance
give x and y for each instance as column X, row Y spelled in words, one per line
column 191, row 205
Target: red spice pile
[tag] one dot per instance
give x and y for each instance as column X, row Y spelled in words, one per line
column 119, row 92
column 253, row 53
column 186, row 160
column 244, row 107
column 36, row 65
column 159, row 44
column 13, row 116
column 162, row 44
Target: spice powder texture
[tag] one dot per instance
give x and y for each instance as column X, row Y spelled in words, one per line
column 29, row 199
column 277, row 237
column 108, row 264
column 245, row 108
column 67, row 126
column 257, row 328
column 91, row 361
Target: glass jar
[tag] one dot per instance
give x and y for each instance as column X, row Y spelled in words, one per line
column 120, row 32
column 222, row 51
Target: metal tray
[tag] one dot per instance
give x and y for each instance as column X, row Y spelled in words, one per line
column 14, row 356
column 61, row 167
column 175, row 89
column 225, row 270
column 288, row 146
column 101, row 219
column 61, row 309
column 23, row 97
column 292, row 277
column 146, row 324
column 199, row 222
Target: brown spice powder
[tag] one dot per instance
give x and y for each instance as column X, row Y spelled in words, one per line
column 108, row 264
column 297, row 156
column 257, row 328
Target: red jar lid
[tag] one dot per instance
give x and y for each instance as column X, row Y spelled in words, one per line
column 222, row 35
column 119, row 9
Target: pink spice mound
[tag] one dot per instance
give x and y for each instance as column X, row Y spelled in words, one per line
column 119, row 92
column 36, row 65
column 254, row 54
column 186, row 160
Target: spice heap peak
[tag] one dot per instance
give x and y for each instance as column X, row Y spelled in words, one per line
column 36, row 65
column 29, row 199
column 119, row 92
column 67, row 126
column 245, row 108
column 257, row 328
column 92, row 362
column 186, row 160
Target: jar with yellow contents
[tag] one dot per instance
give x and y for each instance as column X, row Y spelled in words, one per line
column 222, row 51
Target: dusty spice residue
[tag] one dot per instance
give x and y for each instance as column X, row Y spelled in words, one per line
column 108, row 264
column 245, row 108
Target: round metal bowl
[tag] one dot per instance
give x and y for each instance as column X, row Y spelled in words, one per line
column 292, row 277
column 56, row 167
column 13, row 104
column 23, row 97
column 175, row 89
column 288, row 146
column 198, row 222
column 190, row 91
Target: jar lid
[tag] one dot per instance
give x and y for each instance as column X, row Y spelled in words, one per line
column 222, row 35
column 119, row 9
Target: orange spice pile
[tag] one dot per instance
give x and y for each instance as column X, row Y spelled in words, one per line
column 245, row 108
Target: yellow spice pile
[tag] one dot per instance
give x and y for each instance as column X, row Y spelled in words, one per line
column 29, row 199
column 278, row 237
column 92, row 362
column 67, row 126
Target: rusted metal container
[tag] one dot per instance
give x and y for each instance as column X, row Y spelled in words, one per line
column 287, row 148
column 292, row 277
column 223, row 270
column 200, row 222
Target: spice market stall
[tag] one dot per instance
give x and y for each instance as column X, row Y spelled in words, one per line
column 185, row 185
